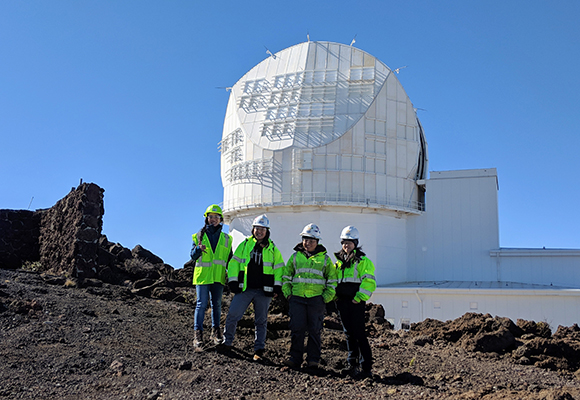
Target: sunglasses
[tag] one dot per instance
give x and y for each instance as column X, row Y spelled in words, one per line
column 346, row 241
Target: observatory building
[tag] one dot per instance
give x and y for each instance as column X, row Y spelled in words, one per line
column 324, row 132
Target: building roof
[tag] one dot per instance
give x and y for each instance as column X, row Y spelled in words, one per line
column 473, row 285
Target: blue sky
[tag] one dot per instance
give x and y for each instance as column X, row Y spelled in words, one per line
column 125, row 94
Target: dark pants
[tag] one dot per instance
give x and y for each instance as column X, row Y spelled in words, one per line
column 306, row 314
column 353, row 321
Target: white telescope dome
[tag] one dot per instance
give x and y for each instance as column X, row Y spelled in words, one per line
column 324, row 124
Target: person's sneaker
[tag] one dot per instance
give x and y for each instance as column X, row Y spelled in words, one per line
column 258, row 355
column 217, row 336
column 351, row 370
column 290, row 363
column 312, row 364
column 198, row 340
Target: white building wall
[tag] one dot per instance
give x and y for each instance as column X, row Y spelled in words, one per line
column 382, row 236
column 452, row 238
column 550, row 267
column 555, row 307
column 454, row 244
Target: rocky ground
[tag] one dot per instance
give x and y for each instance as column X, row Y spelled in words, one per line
column 65, row 340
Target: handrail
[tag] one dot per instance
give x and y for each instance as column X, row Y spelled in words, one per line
column 322, row 198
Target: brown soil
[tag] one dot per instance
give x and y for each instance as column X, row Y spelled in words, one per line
column 103, row 342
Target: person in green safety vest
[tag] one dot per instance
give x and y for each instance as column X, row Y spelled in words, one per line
column 211, row 252
column 309, row 281
column 255, row 276
column 356, row 283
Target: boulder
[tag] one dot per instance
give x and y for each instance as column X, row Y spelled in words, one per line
column 144, row 254
column 540, row 329
column 490, row 342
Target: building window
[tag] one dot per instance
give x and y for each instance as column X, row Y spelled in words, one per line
column 405, row 324
column 405, row 304
column 473, row 305
column 436, row 304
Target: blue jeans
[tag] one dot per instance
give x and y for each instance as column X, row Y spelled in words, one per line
column 238, row 307
column 214, row 292
column 306, row 314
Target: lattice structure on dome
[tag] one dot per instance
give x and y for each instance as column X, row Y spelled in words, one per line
column 305, row 105
column 253, row 169
column 278, row 130
column 231, row 141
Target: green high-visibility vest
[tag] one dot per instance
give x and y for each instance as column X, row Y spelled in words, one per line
column 362, row 273
column 309, row 276
column 211, row 267
column 273, row 265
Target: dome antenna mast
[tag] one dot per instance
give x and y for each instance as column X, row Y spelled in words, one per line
column 269, row 52
column 399, row 69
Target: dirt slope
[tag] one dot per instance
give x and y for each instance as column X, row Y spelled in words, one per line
column 103, row 342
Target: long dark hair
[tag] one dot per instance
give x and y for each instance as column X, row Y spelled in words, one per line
column 357, row 252
column 263, row 242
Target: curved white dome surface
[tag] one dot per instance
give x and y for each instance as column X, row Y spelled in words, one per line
column 321, row 123
column 307, row 95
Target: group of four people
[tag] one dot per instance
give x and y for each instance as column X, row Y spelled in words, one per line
column 256, row 272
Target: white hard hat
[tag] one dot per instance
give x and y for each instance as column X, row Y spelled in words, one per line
column 311, row 230
column 349, row 233
column 262, row 221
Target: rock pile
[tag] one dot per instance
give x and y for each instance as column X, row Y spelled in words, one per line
column 19, row 233
column 66, row 241
column 69, row 232
column 527, row 342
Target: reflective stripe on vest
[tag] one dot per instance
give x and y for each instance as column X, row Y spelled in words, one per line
column 296, row 256
column 271, row 265
column 355, row 278
column 268, row 267
column 305, row 280
column 316, row 281
column 238, row 259
column 209, row 264
column 310, row 271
